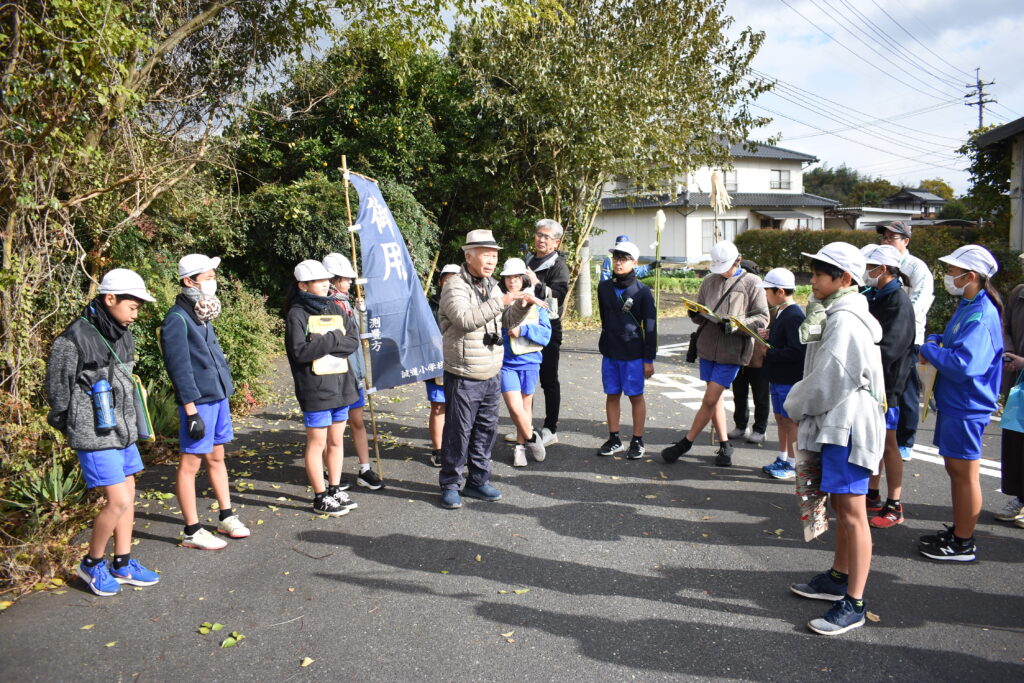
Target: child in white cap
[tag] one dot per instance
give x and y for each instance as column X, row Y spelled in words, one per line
column 91, row 393
column 839, row 407
column 435, row 387
column 968, row 357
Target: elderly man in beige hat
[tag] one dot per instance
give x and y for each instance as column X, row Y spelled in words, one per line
column 473, row 311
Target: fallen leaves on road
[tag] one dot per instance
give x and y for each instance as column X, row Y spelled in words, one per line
column 873, row 617
column 234, row 639
column 86, row 627
column 306, row 661
column 111, row 644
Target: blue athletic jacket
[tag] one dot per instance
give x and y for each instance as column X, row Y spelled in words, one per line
column 538, row 331
column 969, row 360
column 193, row 357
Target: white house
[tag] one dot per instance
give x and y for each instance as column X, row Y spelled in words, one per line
column 767, row 191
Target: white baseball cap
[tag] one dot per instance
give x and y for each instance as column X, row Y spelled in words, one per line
column 844, row 256
column 310, row 270
column 723, row 257
column 626, row 248
column 973, row 257
column 339, row 266
column 883, row 255
column 451, row 268
column 124, row 281
column 514, row 266
column 193, row 264
column 779, row 278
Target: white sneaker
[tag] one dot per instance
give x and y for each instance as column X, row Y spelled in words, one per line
column 737, row 433
column 548, row 437
column 204, row 540
column 519, row 458
column 755, row 437
column 511, row 437
column 232, row 527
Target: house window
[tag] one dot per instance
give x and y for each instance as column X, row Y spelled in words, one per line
column 728, row 229
column 729, row 178
column 780, row 179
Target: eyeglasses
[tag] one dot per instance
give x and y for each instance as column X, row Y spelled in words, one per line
column 621, row 257
column 545, row 236
column 892, row 236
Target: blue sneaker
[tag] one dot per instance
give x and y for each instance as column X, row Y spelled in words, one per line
column 783, row 471
column 821, row 587
column 840, row 618
column 451, row 499
column 99, row 579
column 767, row 469
column 483, row 492
column 135, row 574
column 905, row 453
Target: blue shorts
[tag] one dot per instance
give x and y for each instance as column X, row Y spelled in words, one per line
column 958, row 437
column 719, row 373
column 779, row 392
column 111, row 466
column 892, row 417
column 839, row 475
column 523, row 380
column 622, row 376
column 435, row 391
column 217, row 418
column 325, row 418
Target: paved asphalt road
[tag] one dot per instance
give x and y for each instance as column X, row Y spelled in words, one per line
column 625, row 570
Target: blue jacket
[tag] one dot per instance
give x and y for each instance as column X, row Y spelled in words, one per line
column 193, row 358
column 606, row 270
column 968, row 356
column 627, row 335
column 539, row 332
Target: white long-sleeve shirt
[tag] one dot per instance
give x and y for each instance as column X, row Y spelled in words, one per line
column 921, row 291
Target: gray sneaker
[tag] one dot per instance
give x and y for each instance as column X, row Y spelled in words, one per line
column 536, row 448
column 737, row 433
column 755, row 437
column 548, row 437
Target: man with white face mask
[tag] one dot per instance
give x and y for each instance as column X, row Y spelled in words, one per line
column 202, row 384
column 921, row 291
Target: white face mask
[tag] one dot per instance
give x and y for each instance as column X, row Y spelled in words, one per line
column 868, row 280
column 208, row 287
column 949, row 281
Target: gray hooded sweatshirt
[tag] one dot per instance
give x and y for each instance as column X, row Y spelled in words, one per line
column 841, row 398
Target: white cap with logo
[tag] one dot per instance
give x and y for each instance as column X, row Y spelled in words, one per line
column 626, row 248
column 193, row 264
column 779, row 278
column 339, row 266
column 844, row 256
column 124, row 281
column 973, row 257
column 723, row 257
column 310, row 270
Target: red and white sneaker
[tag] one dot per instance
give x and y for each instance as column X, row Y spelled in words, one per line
column 232, row 527
column 889, row 516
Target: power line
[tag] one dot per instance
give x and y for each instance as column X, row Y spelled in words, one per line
column 914, row 38
column 858, row 56
column 983, row 97
column 890, row 120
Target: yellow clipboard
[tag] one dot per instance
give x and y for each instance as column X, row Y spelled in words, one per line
column 928, row 375
column 700, row 309
column 742, row 327
column 329, row 364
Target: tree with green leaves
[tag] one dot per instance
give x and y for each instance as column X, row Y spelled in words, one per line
column 938, row 187
column 870, row 192
column 834, row 183
column 988, row 198
column 642, row 89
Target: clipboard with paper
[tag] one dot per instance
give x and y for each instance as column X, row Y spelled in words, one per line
column 701, row 310
column 329, row 364
column 742, row 327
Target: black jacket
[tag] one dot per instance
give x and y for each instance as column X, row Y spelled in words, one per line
column 894, row 312
column 627, row 335
column 553, row 274
column 319, row 392
column 784, row 361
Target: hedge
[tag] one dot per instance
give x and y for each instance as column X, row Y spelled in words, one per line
column 782, row 248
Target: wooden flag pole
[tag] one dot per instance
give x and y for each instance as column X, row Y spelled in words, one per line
column 365, row 347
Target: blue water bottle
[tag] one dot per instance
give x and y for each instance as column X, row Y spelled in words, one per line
column 103, row 404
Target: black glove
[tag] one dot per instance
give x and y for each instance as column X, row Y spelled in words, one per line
column 655, row 265
column 726, row 326
column 196, row 426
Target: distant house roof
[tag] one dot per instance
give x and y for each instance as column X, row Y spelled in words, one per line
column 920, row 195
column 866, row 209
column 739, row 199
column 756, row 150
column 999, row 134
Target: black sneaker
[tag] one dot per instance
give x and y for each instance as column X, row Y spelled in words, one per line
column 327, row 505
column 940, row 537
column 370, row 480
column 636, row 450
column 435, row 458
column 676, row 450
column 953, row 550
column 723, row 458
column 611, row 446
column 342, row 498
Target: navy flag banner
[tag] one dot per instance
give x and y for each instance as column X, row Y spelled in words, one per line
column 405, row 342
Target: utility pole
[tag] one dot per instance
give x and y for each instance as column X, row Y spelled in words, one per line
column 982, row 97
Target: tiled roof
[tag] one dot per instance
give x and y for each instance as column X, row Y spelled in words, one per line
column 923, row 195
column 739, row 199
column 762, row 151
column 1001, row 133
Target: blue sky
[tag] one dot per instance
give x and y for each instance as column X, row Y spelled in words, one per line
column 882, row 89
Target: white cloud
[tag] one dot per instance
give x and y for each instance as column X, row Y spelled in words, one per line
column 985, row 33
